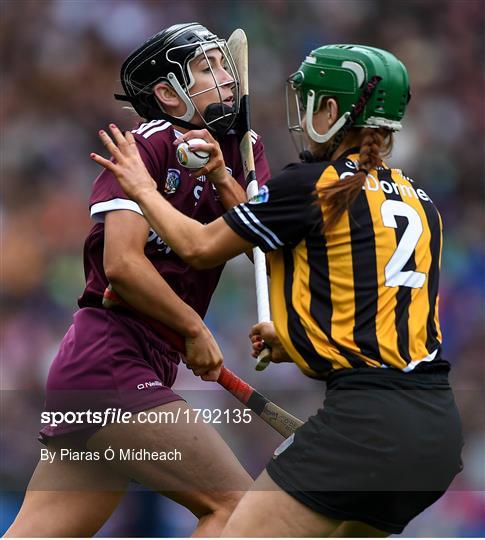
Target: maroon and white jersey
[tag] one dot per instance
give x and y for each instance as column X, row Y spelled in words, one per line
column 195, row 197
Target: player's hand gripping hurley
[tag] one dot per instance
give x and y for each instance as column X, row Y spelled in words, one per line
column 238, row 45
column 279, row 419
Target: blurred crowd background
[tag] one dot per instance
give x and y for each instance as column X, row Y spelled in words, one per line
column 60, row 67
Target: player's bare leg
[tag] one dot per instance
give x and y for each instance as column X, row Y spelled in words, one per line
column 292, row 518
column 208, row 479
column 268, row 511
column 68, row 498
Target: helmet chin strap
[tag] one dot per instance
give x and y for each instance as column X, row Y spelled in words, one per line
column 313, row 134
column 156, row 113
column 212, row 112
column 189, row 113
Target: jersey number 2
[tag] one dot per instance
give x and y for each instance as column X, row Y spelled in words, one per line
column 395, row 277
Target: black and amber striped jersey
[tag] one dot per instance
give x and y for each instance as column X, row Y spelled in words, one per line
column 364, row 294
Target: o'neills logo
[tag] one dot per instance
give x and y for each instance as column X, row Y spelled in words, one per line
column 148, row 384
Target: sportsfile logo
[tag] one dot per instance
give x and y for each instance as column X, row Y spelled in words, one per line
column 148, row 384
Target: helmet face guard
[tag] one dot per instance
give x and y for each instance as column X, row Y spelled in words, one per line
column 370, row 86
column 217, row 114
column 295, row 111
column 167, row 57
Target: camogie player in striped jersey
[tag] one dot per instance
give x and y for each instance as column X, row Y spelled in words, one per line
column 354, row 247
column 183, row 83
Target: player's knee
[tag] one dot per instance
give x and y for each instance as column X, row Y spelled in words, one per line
column 231, row 500
column 222, row 504
column 217, row 512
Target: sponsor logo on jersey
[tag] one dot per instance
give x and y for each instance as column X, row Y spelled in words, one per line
column 405, row 191
column 148, row 384
column 172, row 182
column 261, row 197
column 161, row 245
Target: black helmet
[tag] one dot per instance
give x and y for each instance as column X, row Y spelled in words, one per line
column 165, row 57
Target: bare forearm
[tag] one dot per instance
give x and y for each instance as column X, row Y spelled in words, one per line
column 183, row 234
column 142, row 287
column 230, row 192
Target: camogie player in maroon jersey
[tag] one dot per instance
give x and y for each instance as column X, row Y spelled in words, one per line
column 183, row 83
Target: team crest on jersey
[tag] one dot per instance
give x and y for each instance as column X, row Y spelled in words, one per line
column 172, row 182
column 261, row 197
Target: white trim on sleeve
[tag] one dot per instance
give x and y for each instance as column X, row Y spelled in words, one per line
column 254, row 137
column 147, row 125
column 258, row 223
column 151, row 131
column 250, row 226
column 99, row 209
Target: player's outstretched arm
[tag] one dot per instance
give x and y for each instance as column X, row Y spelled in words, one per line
column 202, row 246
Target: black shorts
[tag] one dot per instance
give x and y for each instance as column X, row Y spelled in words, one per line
column 384, row 447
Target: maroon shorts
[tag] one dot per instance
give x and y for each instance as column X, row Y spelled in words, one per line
column 108, row 360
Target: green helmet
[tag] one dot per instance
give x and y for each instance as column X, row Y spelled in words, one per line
column 344, row 72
